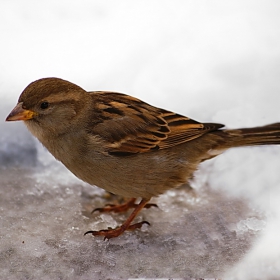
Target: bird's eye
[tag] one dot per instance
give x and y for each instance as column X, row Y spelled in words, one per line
column 44, row 105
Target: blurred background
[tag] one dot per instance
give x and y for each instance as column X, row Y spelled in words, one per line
column 214, row 61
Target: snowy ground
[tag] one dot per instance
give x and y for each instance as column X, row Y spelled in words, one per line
column 213, row 61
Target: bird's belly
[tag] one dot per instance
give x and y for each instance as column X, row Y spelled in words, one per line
column 142, row 175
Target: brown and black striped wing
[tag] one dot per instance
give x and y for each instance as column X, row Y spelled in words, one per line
column 131, row 126
column 184, row 129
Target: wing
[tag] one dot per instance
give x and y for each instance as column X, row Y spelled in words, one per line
column 131, row 126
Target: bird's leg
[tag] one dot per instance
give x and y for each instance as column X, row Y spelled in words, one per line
column 121, row 207
column 110, row 233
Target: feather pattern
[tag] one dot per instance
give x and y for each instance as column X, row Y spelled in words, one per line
column 131, row 126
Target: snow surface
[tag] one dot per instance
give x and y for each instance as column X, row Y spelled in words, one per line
column 214, row 61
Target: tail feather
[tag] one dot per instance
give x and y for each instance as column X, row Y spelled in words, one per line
column 262, row 135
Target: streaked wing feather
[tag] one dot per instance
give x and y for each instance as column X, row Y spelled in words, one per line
column 131, row 126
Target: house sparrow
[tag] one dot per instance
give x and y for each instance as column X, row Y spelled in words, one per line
column 122, row 144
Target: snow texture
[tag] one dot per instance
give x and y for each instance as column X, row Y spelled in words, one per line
column 214, row 61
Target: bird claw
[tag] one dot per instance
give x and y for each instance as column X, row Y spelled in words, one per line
column 120, row 208
column 111, row 233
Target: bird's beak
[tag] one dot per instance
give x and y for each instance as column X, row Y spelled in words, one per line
column 20, row 114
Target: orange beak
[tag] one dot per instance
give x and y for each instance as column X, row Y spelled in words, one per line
column 20, row 114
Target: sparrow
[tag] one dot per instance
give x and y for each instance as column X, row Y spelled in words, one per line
column 122, row 144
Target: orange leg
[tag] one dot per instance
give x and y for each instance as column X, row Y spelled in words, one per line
column 111, row 233
column 122, row 207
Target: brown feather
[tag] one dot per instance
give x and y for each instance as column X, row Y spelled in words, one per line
column 131, row 126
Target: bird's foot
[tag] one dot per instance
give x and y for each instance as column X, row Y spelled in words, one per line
column 111, row 233
column 120, row 208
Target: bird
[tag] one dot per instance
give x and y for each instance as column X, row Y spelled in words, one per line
column 123, row 144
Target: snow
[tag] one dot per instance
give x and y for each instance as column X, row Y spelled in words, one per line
column 214, row 61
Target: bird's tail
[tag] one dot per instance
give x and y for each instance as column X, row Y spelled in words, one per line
column 262, row 135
